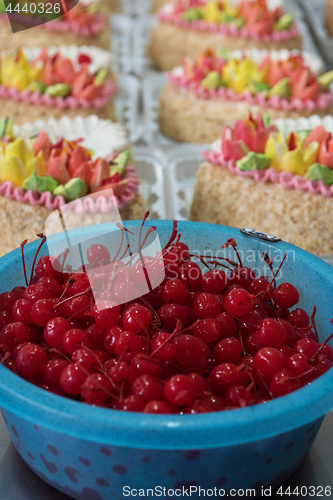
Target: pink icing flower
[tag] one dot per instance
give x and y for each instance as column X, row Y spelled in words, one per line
column 325, row 156
column 248, row 135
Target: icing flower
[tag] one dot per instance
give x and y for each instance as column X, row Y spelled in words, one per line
column 63, row 168
column 54, row 75
column 254, row 144
column 247, row 135
column 291, row 154
column 290, row 79
column 255, row 16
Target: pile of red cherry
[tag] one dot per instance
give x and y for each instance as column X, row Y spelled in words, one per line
column 199, row 342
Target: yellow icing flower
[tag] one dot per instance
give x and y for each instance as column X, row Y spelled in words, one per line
column 17, row 72
column 211, row 12
column 12, row 169
column 296, row 159
column 17, row 162
column 240, row 74
column 276, row 147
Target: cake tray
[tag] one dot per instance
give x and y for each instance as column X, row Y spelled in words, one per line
column 150, row 166
column 128, row 105
column 143, row 25
column 121, row 33
column 314, row 12
column 182, row 164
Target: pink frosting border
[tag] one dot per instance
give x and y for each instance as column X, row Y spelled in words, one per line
column 226, row 30
column 324, row 101
column 93, row 29
column 286, row 179
column 80, row 206
column 35, row 98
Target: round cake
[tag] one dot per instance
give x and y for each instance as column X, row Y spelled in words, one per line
column 210, row 92
column 65, row 80
column 188, row 27
column 273, row 178
column 85, row 24
column 83, row 163
column 328, row 15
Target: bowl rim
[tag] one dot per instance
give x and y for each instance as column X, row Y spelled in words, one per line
column 139, row 430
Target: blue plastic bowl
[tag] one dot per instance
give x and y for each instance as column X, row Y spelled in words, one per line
column 92, row 453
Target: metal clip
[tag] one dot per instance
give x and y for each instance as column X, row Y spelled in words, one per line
column 263, row 236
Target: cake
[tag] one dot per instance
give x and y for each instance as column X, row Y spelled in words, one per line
column 65, row 80
column 209, row 92
column 157, row 5
column 328, row 14
column 277, row 179
column 190, row 26
column 85, row 24
column 50, row 164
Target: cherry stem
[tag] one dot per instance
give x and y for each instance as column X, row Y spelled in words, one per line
column 93, row 353
column 123, row 229
column 270, row 265
column 314, row 323
column 321, row 347
column 218, row 264
column 231, row 242
column 85, row 292
column 67, row 286
column 23, row 261
column 277, row 272
column 215, row 257
column 34, row 262
column 173, row 234
column 178, row 329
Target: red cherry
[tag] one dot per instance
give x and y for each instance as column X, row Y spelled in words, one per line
column 72, row 378
column 271, row 333
column 98, row 254
column 45, row 267
column 208, row 330
column 106, row 317
column 7, row 300
column 13, row 335
column 170, row 313
column 31, row 359
column 42, row 311
column 148, row 388
column 269, row 361
column 238, row 302
column 158, row 407
column 286, row 295
column 308, row 347
column 21, row 311
column 174, row 291
column 215, row 281
column 52, row 371
column 96, row 388
column 228, row 325
column 299, row 318
column 228, row 350
column 137, row 318
column 226, row 375
column 127, row 344
column 179, row 390
column 206, row 305
column 74, row 338
column 50, row 284
column 283, row 383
